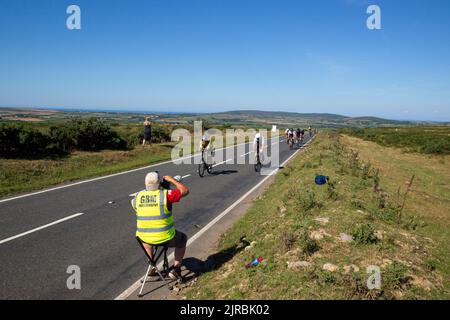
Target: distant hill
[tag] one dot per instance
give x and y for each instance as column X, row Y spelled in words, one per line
column 295, row 119
column 254, row 118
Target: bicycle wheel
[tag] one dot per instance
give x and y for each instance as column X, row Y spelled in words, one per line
column 257, row 164
column 201, row 169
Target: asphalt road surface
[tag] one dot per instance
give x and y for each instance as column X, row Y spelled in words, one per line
column 91, row 225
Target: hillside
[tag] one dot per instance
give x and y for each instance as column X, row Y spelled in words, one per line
column 318, row 241
column 285, row 119
column 231, row 118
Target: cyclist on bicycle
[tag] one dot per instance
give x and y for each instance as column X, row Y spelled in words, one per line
column 291, row 133
column 206, row 145
column 258, row 144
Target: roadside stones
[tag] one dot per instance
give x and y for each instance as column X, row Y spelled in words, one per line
column 345, row 237
column 322, row 221
column 252, row 244
column 318, row 234
column 379, row 234
column 330, row 267
column 298, row 264
column 351, row 268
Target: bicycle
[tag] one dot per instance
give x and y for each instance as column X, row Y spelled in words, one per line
column 204, row 166
column 291, row 143
column 258, row 160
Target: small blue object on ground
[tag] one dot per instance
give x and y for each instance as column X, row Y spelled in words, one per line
column 321, row 179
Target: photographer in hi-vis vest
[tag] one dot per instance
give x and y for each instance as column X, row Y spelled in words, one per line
column 153, row 207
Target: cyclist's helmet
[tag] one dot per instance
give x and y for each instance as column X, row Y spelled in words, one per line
column 205, row 138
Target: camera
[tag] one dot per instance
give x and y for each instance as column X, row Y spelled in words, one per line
column 164, row 184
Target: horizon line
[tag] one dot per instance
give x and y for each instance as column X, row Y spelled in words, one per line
column 119, row 110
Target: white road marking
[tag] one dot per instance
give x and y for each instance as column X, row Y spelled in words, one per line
column 137, row 284
column 188, row 175
column 108, row 176
column 243, row 155
column 218, row 164
column 42, row 227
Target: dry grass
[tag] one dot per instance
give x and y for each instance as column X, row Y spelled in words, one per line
column 412, row 252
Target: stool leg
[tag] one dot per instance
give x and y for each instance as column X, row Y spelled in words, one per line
column 162, row 278
column 166, row 262
column 145, row 279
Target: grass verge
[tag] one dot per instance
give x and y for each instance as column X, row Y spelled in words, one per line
column 318, row 241
column 18, row 175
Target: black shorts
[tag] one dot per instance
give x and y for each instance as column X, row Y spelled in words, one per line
column 178, row 241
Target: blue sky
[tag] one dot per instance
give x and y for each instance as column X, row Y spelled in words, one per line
column 216, row 55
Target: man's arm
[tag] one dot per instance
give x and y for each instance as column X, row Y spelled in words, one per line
column 133, row 203
column 183, row 189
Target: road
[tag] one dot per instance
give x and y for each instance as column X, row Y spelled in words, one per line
column 91, row 225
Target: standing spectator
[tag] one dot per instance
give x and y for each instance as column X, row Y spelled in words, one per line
column 147, row 131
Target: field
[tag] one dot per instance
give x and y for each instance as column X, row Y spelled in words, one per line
column 430, row 140
column 20, row 175
column 381, row 207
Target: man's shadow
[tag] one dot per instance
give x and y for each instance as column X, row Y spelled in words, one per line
column 195, row 267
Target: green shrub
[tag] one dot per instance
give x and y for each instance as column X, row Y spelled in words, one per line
column 364, row 234
column 307, row 245
column 9, row 140
column 160, row 134
column 21, row 141
column 395, row 276
column 307, row 200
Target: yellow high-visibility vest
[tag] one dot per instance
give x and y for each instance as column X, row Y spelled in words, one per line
column 154, row 219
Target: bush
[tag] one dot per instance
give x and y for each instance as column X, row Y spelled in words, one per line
column 308, row 245
column 9, row 140
column 160, row 134
column 94, row 135
column 307, row 201
column 395, row 276
column 364, row 234
column 20, row 141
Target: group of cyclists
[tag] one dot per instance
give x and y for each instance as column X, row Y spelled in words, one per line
column 296, row 136
column 293, row 136
column 207, row 152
